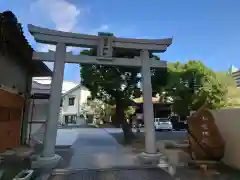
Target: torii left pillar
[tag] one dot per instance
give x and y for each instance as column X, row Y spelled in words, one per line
column 48, row 157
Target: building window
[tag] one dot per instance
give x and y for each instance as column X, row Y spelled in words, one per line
column 71, row 101
column 61, row 103
column 105, row 42
column 70, row 119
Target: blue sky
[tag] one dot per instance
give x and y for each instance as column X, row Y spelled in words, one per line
column 207, row 30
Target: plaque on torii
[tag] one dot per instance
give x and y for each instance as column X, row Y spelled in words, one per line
column 105, row 49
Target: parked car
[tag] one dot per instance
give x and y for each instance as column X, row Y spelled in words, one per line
column 178, row 123
column 162, row 124
column 139, row 125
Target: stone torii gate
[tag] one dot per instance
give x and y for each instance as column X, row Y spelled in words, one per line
column 105, row 43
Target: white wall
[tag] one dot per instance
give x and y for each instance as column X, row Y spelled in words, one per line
column 81, row 96
column 228, row 123
column 41, row 106
column 66, row 109
column 84, row 96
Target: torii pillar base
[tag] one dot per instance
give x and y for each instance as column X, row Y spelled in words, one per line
column 46, row 162
column 149, row 159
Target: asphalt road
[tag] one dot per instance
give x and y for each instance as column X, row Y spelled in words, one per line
column 174, row 135
column 160, row 135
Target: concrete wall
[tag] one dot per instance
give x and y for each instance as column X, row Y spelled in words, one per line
column 228, row 123
column 34, row 128
column 40, row 111
column 11, row 73
column 40, row 108
column 38, row 116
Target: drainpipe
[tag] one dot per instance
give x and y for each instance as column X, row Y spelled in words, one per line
column 24, row 121
column 78, row 104
column 31, row 105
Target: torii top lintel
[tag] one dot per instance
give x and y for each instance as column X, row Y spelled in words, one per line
column 48, row 36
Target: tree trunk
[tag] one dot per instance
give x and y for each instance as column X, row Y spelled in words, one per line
column 127, row 130
column 115, row 120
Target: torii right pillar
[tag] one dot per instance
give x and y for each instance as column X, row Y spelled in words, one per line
column 150, row 143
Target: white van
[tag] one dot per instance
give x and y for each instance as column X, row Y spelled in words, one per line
column 163, row 124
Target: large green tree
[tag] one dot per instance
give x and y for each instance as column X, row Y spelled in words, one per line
column 113, row 85
column 192, row 84
column 159, row 79
column 232, row 98
column 118, row 85
column 98, row 109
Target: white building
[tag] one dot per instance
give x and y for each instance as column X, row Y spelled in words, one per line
column 40, row 98
column 236, row 74
column 72, row 102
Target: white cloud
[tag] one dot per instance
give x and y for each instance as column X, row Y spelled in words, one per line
column 62, row 13
column 103, row 27
column 49, row 65
column 64, row 16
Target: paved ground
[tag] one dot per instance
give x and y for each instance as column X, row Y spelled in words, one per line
column 96, row 148
column 220, row 172
column 68, row 135
column 160, row 135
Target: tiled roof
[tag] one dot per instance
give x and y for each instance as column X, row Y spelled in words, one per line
column 14, row 43
column 45, row 82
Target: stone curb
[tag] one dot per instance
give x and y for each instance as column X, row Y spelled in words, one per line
column 119, row 168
